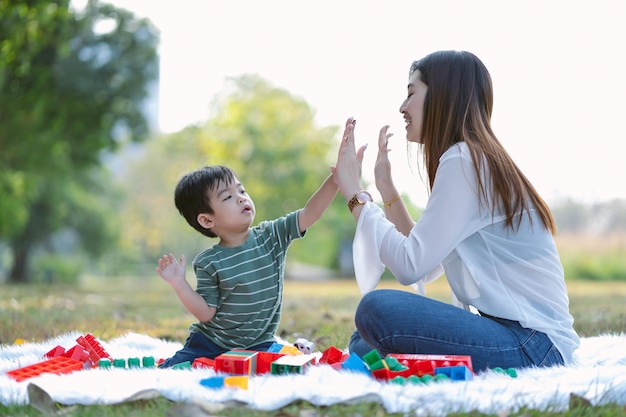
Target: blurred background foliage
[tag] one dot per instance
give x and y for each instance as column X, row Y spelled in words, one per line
column 86, row 183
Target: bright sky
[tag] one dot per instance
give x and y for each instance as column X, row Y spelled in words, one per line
column 558, row 68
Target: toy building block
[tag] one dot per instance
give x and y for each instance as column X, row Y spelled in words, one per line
column 373, row 360
column 355, row 363
column 216, row 382
column 394, row 365
column 58, row 365
column 147, row 362
column 275, row 347
column 213, row 382
column 425, row 364
column 304, row 346
column 105, row 364
column 509, row 371
column 182, row 365
column 238, row 381
column 333, row 356
column 290, row 350
column 285, row 349
column 292, row 364
column 119, row 363
column 237, row 362
column 134, row 363
column 55, row 352
column 78, row 353
column 264, row 361
column 203, row 363
column 94, row 348
column 455, row 373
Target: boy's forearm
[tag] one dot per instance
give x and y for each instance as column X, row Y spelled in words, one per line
column 193, row 302
column 318, row 203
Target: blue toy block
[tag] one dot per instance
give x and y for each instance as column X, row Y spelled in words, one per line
column 355, row 363
column 455, row 373
column 213, row 382
column 275, row 347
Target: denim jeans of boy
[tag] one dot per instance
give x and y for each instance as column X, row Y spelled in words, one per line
column 393, row 321
column 198, row 346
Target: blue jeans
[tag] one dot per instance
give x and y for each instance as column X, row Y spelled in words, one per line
column 393, row 321
column 198, row 346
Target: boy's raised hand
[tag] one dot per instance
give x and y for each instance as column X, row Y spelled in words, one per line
column 171, row 270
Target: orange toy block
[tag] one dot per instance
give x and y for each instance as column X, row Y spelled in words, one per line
column 58, row 365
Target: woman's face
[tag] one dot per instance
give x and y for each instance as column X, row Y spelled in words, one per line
column 413, row 108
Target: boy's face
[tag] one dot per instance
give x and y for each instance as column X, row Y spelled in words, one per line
column 233, row 209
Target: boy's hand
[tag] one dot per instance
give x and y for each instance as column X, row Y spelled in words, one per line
column 170, row 270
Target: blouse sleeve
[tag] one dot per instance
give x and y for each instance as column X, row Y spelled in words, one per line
column 453, row 213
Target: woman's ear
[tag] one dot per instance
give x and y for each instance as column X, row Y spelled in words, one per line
column 205, row 220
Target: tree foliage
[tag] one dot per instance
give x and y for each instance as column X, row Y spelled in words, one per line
column 72, row 84
column 270, row 139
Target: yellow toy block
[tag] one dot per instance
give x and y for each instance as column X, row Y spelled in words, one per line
column 236, row 381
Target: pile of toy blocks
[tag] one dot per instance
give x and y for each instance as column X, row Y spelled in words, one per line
column 236, row 366
column 402, row 368
column 233, row 368
column 87, row 353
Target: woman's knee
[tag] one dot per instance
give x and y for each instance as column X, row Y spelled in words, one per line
column 369, row 307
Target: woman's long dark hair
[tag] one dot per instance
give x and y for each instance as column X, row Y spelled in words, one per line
column 458, row 107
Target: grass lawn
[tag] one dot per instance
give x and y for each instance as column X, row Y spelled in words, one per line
column 318, row 311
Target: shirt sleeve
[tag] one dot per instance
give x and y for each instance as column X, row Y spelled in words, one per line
column 452, row 213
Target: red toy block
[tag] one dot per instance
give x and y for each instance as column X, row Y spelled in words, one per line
column 58, row 365
column 57, row 351
column 94, row 349
column 203, row 363
column 423, row 364
column 388, row 374
column 237, row 362
column 77, row 353
column 333, row 355
column 264, row 361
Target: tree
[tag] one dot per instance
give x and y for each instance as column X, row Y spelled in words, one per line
column 270, row 139
column 72, row 83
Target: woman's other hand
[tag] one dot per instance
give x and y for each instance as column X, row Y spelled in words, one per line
column 382, row 168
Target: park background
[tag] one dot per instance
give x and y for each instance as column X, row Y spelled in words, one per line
column 102, row 110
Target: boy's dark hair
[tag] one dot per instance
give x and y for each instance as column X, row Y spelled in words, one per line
column 192, row 193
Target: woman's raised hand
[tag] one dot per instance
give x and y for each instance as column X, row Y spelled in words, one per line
column 347, row 171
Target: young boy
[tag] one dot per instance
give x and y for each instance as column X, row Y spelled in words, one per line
column 240, row 279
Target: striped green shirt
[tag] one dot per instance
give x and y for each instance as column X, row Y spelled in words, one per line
column 245, row 284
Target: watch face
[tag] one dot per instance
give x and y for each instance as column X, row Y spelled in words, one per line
column 364, row 196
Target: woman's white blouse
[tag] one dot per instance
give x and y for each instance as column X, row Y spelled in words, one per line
column 512, row 274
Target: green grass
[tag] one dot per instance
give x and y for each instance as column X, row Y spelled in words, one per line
column 318, row 311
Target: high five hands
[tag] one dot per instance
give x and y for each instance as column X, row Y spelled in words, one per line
column 347, row 171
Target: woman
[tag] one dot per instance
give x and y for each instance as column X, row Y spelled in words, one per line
column 484, row 226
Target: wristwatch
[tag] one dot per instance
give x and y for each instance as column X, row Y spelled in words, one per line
column 359, row 198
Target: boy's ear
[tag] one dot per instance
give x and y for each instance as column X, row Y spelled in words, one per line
column 205, row 220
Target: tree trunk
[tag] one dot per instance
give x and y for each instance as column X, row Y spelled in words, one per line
column 19, row 271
